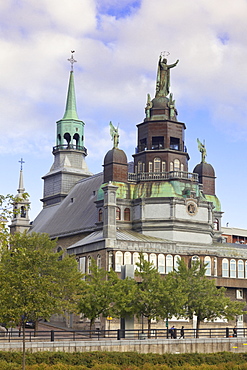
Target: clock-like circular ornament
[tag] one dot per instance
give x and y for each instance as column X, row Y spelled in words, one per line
column 191, row 208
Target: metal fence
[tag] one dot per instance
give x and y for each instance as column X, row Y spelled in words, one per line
column 79, row 335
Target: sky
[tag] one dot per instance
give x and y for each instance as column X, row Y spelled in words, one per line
column 117, row 44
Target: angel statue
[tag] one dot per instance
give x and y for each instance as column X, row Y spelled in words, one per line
column 163, row 76
column 202, row 149
column 114, row 135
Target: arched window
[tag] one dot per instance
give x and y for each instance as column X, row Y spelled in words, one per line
column 225, row 267
column 182, row 167
column 194, row 259
column 215, row 267
column 110, row 261
column 23, row 212
column 59, row 249
column 245, row 269
column 176, row 165
column 118, row 213
column 76, row 138
column 100, row 215
column 216, row 224
column 136, row 259
column 161, row 263
column 89, row 264
column 233, row 268
column 143, row 167
column 177, row 258
column 169, row 263
column 99, row 261
column 118, row 261
column 207, row 261
column 171, row 166
column 139, row 166
column 163, row 169
column 153, row 259
column 67, row 139
column 145, row 256
column 126, row 214
column 157, row 162
column 240, row 269
column 150, row 166
column 127, row 258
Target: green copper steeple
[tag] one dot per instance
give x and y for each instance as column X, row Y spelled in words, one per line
column 70, row 110
column 70, row 130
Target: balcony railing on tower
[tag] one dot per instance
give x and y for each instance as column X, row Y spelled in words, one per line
column 70, row 146
column 160, row 176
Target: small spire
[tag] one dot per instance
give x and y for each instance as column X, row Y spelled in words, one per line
column 21, row 188
column 70, row 110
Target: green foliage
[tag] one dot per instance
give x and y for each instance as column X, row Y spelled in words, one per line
column 124, row 361
column 35, row 282
column 96, row 293
column 123, row 297
column 202, row 297
column 156, row 297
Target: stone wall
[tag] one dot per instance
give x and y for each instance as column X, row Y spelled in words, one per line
column 141, row 346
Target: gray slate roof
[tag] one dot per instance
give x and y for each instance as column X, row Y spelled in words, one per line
column 125, row 235
column 68, row 218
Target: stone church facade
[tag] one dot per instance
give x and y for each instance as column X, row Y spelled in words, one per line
column 153, row 205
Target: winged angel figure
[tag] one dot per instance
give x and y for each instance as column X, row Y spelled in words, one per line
column 114, row 135
column 202, row 149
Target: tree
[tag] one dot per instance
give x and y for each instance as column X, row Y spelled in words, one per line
column 96, row 293
column 202, row 297
column 35, row 281
column 154, row 296
column 123, row 297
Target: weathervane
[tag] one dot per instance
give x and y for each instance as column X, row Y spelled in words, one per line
column 72, row 60
column 164, row 54
column 21, row 162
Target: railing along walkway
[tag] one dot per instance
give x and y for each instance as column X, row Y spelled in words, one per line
column 81, row 335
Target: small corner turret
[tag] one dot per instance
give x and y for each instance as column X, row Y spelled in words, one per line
column 20, row 221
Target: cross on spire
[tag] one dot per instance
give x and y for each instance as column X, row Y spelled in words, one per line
column 72, row 60
column 21, row 162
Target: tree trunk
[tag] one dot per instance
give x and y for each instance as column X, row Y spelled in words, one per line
column 23, row 346
column 149, row 327
column 90, row 327
column 197, row 326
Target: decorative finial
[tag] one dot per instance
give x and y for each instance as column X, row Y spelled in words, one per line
column 72, row 60
column 202, row 149
column 21, row 162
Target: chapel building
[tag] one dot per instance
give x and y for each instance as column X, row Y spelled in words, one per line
column 153, row 205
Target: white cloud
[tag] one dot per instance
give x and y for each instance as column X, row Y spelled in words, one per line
column 117, row 47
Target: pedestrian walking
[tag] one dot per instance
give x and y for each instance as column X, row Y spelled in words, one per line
column 182, row 332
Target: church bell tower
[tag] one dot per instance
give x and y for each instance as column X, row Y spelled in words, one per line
column 69, row 153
